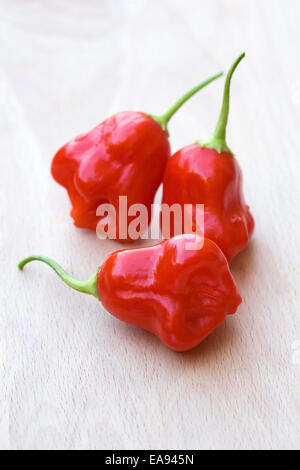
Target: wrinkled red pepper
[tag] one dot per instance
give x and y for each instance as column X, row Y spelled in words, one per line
column 125, row 155
column 208, row 173
column 177, row 291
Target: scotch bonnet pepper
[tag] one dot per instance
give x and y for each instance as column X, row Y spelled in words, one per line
column 208, row 173
column 125, row 155
column 180, row 289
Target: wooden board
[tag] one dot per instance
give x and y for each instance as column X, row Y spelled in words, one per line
column 72, row 376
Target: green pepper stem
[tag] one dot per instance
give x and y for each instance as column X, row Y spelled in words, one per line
column 87, row 287
column 218, row 140
column 164, row 118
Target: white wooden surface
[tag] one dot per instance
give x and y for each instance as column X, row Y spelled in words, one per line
column 72, row 376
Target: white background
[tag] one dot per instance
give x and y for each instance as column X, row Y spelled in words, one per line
column 72, row 376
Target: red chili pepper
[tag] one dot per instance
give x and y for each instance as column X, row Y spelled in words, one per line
column 208, row 173
column 178, row 291
column 125, row 155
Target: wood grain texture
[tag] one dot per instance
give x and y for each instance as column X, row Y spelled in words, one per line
column 73, row 377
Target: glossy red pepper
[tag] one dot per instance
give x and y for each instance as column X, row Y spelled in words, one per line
column 125, row 155
column 178, row 291
column 208, row 173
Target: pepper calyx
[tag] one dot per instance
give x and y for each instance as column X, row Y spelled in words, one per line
column 219, row 145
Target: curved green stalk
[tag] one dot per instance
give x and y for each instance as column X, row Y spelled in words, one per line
column 87, row 287
column 218, row 140
column 164, row 118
